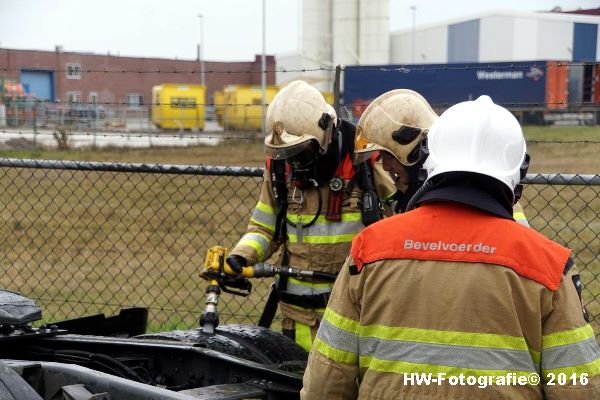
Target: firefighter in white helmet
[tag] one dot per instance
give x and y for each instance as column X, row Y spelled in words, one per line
column 395, row 124
column 312, row 203
column 455, row 290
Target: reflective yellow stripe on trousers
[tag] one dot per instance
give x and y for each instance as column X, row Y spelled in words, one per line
column 302, row 288
column 303, row 336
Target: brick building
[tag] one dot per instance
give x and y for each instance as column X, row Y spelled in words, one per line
column 108, row 79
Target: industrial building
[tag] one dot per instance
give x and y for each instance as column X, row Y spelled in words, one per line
column 75, row 77
column 500, row 36
column 356, row 32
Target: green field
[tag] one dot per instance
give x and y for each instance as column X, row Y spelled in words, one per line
column 553, row 149
column 562, row 133
column 83, row 242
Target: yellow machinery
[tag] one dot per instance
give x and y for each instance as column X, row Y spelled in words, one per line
column 238, row 107
column 222, row 278
column 328, row 97
column 218, row 101
column 241, row 107
column 178, row 106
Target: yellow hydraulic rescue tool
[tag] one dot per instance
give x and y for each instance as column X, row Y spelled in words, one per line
column 221, row 277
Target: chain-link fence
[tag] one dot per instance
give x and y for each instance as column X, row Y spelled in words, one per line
column 84, row 238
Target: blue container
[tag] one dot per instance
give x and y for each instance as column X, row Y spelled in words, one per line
column 515, row 85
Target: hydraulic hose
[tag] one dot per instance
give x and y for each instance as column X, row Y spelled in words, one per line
column 324, row 276
column 263, row 270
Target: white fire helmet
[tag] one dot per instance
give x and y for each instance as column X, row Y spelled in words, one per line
column 395, row 122
column 480, row 137
column 295, row 118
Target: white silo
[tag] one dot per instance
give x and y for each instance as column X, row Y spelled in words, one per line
column 345, row 32
column 316, row 30
column 316, row 42
column 374, row 31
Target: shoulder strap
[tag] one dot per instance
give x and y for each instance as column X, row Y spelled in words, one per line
column 277, row 169
column 278, row 178
column 347, row 132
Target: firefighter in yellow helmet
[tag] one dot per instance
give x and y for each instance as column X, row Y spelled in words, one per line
column 395, row 125
column 312, row 203
column 453, row 299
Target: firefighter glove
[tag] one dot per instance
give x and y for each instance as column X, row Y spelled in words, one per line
column 237, row 263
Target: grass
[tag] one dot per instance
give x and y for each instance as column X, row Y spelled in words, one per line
column 569, row 215
column 549, row 146
column 562, row 133
column 85, row 242
column 247, row 152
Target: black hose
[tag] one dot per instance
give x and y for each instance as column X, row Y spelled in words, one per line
column 320, row 206
column 285, row 271
column 324, row 276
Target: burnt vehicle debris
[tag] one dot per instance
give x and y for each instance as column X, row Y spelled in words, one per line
column 111, row 358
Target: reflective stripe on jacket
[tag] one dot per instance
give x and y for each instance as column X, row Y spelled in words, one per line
column 321, row 247
column 463, row 301
column 519, row 215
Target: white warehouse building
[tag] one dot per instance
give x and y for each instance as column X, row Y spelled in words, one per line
column 356, row 32
column 500, row 36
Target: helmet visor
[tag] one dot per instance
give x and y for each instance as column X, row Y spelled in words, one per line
column 363, row 148
column 287, row 152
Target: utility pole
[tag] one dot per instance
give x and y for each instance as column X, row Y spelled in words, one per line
column 264, row 69
column 414, row 20
column 201, row 52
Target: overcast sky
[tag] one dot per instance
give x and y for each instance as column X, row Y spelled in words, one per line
column 232, row 28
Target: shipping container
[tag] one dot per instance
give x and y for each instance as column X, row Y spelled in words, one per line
column 241, row 109
column 178, row 106
column 531, row 89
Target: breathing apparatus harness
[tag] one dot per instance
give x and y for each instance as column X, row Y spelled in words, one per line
column 307, row 171
column 310, row 171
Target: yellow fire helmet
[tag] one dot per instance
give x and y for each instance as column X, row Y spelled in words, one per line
column 297, row 115
column 395, row 122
